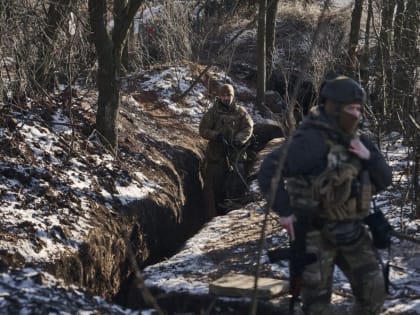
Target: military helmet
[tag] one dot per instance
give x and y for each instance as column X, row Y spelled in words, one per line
column 343, row 90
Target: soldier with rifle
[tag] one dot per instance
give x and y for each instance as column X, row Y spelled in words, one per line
column 228, row 127
column 329, row 174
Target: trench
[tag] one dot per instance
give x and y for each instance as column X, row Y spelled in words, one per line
column 192, row 218
column 145, row 232
column 162, row 226
column 165, row 223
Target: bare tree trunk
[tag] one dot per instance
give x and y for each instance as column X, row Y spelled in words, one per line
column 416, row 180
column 270, row 35
column 365, row 62
column 384, row 56
column 109, row 50
column 407, row 88
column 124, row 56
column 356, row 17
column 261, row 55
column 398, row 24
column 411, row 28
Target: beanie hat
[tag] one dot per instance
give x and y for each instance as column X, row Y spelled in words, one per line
column 343, row 90
column 336, row 94
column 227, row 89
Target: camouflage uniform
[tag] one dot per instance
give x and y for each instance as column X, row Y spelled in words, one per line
column 336, row 235
column 234, row 123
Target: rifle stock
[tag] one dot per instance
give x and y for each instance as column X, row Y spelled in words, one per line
column 299, row 258
column 296, row 265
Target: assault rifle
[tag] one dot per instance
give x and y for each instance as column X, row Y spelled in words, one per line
column 297, row 256
column 232, row 156
column 382, row 231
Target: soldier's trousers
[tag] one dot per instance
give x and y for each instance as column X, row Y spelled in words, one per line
column 214, row 186
column 358, row 263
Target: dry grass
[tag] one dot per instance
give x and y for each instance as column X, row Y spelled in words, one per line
column 296, row 25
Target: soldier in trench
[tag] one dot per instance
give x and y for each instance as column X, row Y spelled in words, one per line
column 228, row 127
column 323, row 196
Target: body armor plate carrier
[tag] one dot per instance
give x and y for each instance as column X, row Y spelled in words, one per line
column 342, row 192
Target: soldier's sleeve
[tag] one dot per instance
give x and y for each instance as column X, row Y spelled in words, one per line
column 265, row 176
column 207, row 123
column 306, row 155
column 246, row 128
column 379, row 170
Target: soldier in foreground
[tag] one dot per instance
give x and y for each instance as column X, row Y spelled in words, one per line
column 226, row 125
column 323, row 196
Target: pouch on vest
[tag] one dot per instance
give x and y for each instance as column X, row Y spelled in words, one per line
column 301, row 193
column 380, row 228
column 333, row 187
column 364, row 196
column 344, row 234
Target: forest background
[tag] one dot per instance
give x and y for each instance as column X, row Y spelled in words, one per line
column 61, row 49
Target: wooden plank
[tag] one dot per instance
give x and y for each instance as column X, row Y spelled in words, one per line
column 237, row 285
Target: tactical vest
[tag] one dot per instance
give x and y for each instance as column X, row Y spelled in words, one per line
column 341, row 192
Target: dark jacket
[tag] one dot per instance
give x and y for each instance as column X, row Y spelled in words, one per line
column 307, row 156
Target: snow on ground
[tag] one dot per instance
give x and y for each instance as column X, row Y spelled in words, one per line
column 194, row 267
column 38, row 173
column 32, row 291
column 203, row 260
column 24, row 186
